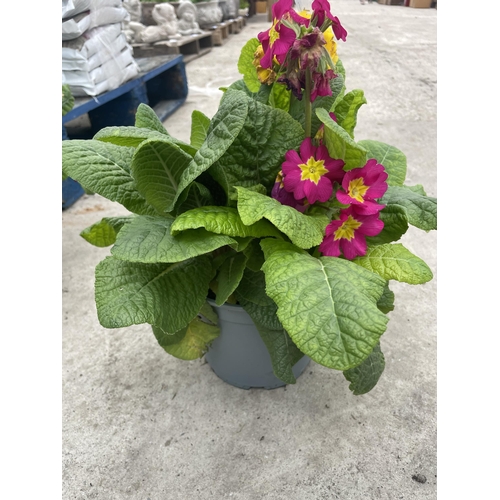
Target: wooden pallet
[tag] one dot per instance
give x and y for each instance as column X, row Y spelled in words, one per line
column 190, row 47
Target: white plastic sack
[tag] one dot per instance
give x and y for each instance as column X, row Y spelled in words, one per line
column 71, row 8
column 79, row 24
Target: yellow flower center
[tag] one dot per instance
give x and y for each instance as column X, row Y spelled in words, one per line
column 313, row 170
column 357, row 189
column 346, row 230
column 273, row 34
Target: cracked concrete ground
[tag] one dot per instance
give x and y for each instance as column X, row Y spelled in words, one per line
column 139, row 424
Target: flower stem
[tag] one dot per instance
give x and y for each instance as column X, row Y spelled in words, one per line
column 307, row 102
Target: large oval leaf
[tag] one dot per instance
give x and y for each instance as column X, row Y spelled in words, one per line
column 326, row 305
column 390, row 157
column 166, row 295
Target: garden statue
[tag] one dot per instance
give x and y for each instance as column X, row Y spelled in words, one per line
column 186, row 12
column 167, row 25
column 134, row 9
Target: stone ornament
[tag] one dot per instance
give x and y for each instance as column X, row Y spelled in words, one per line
column 167, row 25
column 209, row 13
column 187, row 14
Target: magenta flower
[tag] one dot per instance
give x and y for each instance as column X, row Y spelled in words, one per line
column 280, row 194
column 321, row 84
column 348, row 234
column 311, row 173
column 363, row 185
column 279, row 38
column 321, row 9
column 308, row 50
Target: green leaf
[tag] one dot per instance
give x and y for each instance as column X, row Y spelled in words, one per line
column 421, row 210
column 395, row 221
column 256, row 155
column 386, row 302
column 325, row 103
column 255, row 255
column 146, row 117
column 339, row 143
column 280, row 97
column 222, row 220
column 224, row 128
column 252, row 288
column 229, row 277
column 194, row 196
column 246, row 67
column 365, row 376
column 68, row 101
column 200, row 124
column 327, row 306
column 148, row 240
column 165, row 295
column 390, row 157
column 103, row 233
column 346, row 110
column 104, row 169
column 191, row 342
column 303, row 230
column 158, row 166
column 395, row 262
column 134, row 136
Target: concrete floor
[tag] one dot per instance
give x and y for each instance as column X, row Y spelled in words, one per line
column 139, row 424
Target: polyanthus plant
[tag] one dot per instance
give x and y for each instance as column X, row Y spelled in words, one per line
column 272, row 205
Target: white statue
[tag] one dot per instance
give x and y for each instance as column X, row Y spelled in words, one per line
column 167, row 25
column 186, row 12
column 134, row 9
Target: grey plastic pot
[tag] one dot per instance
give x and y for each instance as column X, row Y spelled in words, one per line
column 239, row 356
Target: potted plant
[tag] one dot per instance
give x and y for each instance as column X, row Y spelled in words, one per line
column 273, row 212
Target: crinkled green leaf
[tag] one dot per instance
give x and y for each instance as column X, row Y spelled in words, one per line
column 158, row 166
column 322, row 102
column 252, row 288
column 200, row 124
column 194, row 196
column 365, row 376
column 191, row 342
column 327, row 306
column 395, row 221
column 103, row 233
column 280, row 97
column 104, row 169
column 146, row 117
column 386, row 301
column 339, row 143
column 68, row 101
column 256, row 155
column 134, row 136
column 346, row 110
column 224, row 128
column 395, row 262
column 421, row 210
column 229, row 277
column 255, row 255
column 222, row 220
column 149, row 240
column 165, row 295
column 246, row 67
column 390, row 157
column 303, row 230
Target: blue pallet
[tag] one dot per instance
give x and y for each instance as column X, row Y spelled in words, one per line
column 161, row 84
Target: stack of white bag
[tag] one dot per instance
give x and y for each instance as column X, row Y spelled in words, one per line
column 96, row 56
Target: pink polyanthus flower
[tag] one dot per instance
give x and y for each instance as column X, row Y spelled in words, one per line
column 360, row 186
column 277, row 41
column 311, row 173
column 280, row 194
column 347, row 235
column 321, row 9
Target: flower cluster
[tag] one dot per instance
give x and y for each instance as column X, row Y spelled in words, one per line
column 299, row 50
